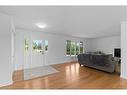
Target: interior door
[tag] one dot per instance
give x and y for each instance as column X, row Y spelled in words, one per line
column 37, row 51
column 37, row 55
column 34, row 47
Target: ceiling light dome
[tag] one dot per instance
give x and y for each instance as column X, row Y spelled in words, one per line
column 41, row 25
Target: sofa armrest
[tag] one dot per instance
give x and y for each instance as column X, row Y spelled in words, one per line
column 113, row 62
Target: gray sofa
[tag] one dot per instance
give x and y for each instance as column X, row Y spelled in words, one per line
column 97, row 61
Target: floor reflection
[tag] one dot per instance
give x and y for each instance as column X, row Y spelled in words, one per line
column 72, row 71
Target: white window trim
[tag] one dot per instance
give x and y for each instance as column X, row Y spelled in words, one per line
column 75, row 47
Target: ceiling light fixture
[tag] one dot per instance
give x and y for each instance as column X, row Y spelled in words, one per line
column 41, row 25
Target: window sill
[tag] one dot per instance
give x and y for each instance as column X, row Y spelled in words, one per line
column 71, row 55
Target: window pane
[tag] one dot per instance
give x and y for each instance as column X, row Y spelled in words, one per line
column 81, row 47
column 68, row 47
column 73, row 46
column 77, row 48
column 37, row 45
column 26, row 46
column 46, row 45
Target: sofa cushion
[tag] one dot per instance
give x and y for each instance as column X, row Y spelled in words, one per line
column 99, row 60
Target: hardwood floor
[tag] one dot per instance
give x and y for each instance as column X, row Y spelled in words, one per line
column 18, row 75
column 72, row 76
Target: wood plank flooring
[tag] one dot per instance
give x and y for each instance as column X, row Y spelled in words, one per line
column 72, row 76
column 18, row 75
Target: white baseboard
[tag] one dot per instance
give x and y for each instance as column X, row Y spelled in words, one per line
column 6, row 83
column 123, row 76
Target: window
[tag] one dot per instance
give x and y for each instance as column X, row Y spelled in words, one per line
column 37, row 45
column 26, row 45
column 74, row 48
column 81, row 47
column 77, row 48
column 68, row 46
column 46, row 45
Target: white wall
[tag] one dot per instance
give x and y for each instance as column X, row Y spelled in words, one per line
column 123, row 50
column 5, row 50
column 105, row 44
column 57, row 47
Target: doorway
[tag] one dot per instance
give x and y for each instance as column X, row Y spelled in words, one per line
column 35, row 49
column 30, row 53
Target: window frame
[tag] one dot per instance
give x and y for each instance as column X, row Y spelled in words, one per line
column 68, row 41
column 74, row 43
column 80, row 44
column 45, row 45
column 38, row 48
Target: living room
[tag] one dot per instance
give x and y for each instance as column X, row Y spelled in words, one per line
column 47, row 37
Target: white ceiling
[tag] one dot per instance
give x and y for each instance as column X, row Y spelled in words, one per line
column 79, row 21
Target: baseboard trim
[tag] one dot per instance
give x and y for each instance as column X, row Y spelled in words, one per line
column 6, row 83
column 74, row 61
column 123, row 76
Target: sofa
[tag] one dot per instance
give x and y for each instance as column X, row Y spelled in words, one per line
column 97, row 61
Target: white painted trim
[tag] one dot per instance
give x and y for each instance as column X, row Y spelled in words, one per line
column 123, row 76
column 6, row 83
column 123, row 50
